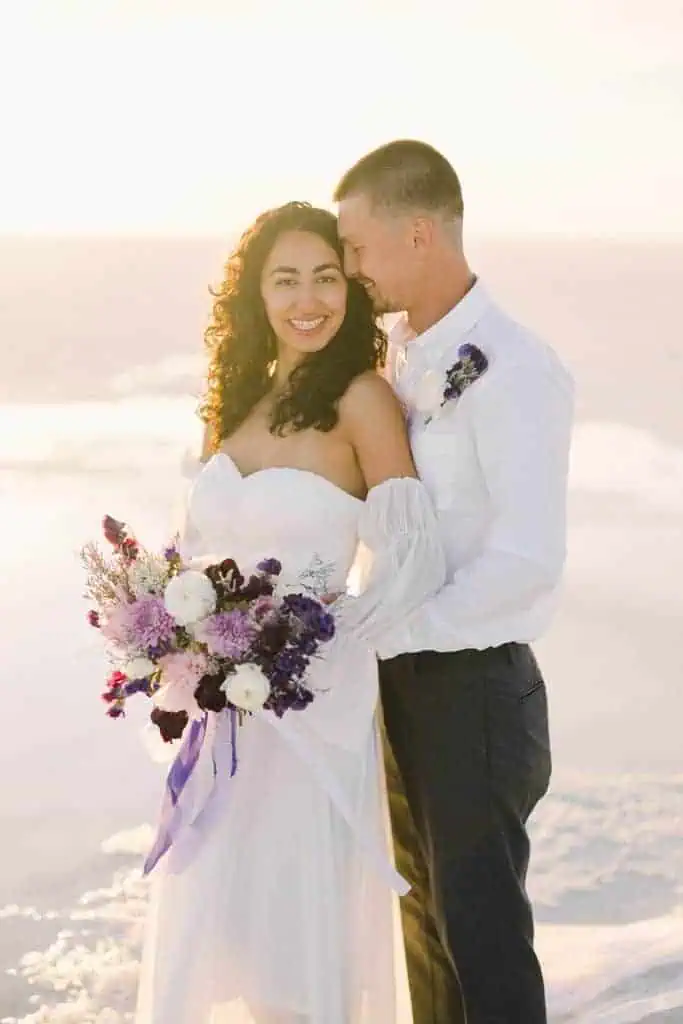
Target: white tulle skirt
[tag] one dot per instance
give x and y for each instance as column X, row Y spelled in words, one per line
column 276, row 905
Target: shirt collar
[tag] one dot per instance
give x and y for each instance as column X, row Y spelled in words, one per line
column 450, row 331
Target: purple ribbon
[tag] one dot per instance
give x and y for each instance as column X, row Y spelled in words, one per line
column 178, row 777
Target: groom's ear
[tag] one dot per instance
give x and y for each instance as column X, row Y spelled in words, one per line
column 423, row 232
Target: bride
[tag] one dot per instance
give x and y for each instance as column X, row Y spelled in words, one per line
column 274, row 903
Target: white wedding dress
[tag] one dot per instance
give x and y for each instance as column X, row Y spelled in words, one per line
column 274, row 904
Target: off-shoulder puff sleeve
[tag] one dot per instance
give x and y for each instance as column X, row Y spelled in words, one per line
column 399, row 564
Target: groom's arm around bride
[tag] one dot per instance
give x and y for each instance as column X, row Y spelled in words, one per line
column 465, row 709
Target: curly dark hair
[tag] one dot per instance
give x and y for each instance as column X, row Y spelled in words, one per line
column 242, row 346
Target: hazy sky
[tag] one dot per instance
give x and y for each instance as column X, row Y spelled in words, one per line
column 170, row 116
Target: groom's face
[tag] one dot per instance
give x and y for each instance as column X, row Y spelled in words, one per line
column 378, row 252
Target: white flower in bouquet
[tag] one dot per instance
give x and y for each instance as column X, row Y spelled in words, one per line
column 138, row 668
column 189, row 597
column 247, row 688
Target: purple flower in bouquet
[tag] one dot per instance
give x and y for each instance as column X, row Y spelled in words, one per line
column 270, row 566
column 136, row 686
column 287, row 696
column 150, row 624
column 312, row 614
column 300, row 699
column 227, row 634
column 171, row 552
column 307, row 644
column 144, row 624
column 290, row 663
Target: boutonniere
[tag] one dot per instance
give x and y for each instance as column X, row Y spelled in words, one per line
column 434, row 390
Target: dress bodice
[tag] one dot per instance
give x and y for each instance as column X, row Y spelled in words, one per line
column 304, row 520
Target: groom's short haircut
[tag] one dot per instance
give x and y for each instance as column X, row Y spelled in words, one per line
column 404, row 175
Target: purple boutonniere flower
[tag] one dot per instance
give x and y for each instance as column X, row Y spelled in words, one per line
column 471, row 364
column 433, row 391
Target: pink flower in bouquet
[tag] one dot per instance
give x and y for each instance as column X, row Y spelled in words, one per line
column 184, row 667
column 143, row 625
column 181, row 671
column 262, row 609
column 228, row 634
column 116, row 626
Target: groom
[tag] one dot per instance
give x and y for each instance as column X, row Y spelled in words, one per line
column 464, row 703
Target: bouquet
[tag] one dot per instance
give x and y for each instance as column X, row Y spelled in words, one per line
column 199, row 638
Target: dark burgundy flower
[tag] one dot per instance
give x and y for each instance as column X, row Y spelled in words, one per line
column 208, row 693
column 273, row 637
column 226, row 576
column 170, row 724
column 129, row 549
column 114, row 530
column 255, row 587
column 94, row 618
column 116, row 712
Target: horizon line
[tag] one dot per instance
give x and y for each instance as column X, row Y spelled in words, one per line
column 664, row 237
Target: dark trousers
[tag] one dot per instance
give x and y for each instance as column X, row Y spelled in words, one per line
column 468, row 758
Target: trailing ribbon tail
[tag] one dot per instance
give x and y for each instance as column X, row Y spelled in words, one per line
column 178, row 775
column 180, row 772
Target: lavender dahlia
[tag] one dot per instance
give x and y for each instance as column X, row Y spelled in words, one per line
column 150, row 623
column 227, row 634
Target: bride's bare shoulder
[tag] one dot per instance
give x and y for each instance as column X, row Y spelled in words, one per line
column 369, row 392
column 372, row 420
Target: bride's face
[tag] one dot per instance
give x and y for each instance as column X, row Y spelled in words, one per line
column 304, row 291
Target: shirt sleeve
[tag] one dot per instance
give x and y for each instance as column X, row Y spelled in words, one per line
column 400, row 560
column 521, row 423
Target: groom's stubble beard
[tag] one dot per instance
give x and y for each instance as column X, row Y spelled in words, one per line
column 380, row 304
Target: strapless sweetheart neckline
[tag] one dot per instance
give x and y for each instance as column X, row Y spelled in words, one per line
column 245, row 477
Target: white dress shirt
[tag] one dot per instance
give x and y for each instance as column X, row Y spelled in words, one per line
column 495, row 461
